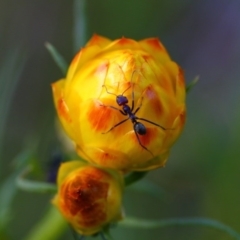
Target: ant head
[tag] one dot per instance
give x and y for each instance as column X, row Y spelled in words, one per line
column 121, row 100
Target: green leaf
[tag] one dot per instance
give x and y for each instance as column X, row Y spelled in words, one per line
column 184, row 222
column 10, row 71
column 8, row 189
column 192, row 84
column 57, row 57
column 79, row 24
column 133, row 177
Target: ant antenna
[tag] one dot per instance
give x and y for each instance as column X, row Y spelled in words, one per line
column 114, row 93
column 108, row 91
column 125, row 90
column 132, row 83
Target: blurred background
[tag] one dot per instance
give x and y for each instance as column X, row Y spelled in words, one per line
column 202, row 176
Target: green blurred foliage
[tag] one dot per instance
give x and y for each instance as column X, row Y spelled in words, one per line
column 202, row 175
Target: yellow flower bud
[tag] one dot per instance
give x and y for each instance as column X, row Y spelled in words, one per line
column 153, row 85
column 89, row 198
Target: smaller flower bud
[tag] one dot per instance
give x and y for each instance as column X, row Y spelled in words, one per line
column 88, row 197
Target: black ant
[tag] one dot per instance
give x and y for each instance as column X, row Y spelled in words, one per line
column 138, row 127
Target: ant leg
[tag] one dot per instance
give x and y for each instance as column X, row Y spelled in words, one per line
column 132, row 98
column 110, row 107
column 125, row 90
column 114, row 108
column 116, row 125
column 138, row 107
column 143, row 119
column 141, row 143
column 114, row 93
column 122, row 112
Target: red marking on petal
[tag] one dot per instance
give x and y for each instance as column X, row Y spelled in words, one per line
column 94, row 40
column 92, row 215
column 125, row 41
column 99, row 117
column 63, row 110
column 86, row 196
column 153, row 98
column 155, row 43
column 147, row 57
column 183, row 117
column 102, row 68
column 146, row 139
column 104, row 157
column 98, row 40
column 180, row 78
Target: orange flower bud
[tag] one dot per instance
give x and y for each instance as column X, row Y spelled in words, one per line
column 112, row 81
column 88, row 197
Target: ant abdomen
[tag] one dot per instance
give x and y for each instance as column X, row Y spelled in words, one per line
column 140, row 128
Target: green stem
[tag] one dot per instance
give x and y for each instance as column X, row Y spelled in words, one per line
column 50, row 227
column 204, row 222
